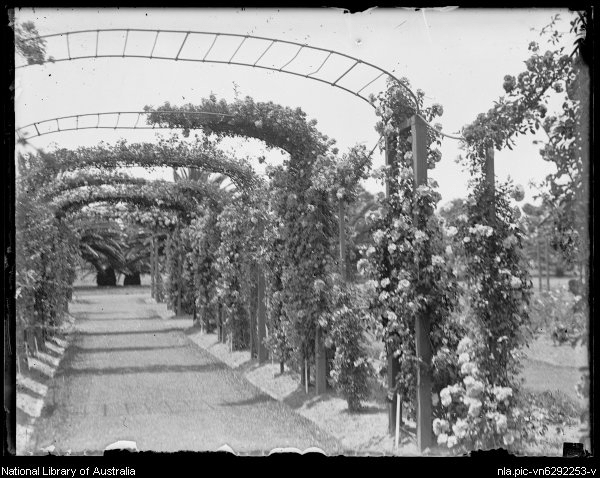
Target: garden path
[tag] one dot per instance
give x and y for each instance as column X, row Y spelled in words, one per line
column 130, row 375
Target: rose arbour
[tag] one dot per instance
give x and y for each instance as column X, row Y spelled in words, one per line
column 265, row 260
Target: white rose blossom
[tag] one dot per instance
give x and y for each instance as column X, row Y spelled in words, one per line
column 378, row 236
column 468, row 368
column 403, row 284
column 474, row 406
column 515, row 282
column 362, row 264
column 420, row 236
column 445, row 396
column 501, row 422
column 510, row 241
column 460, row 428
column 508, row 439
column 437, row 260
column 451, row 231
column 502, row 393
column 463, row 358
column 474, row 387
column 464, row 345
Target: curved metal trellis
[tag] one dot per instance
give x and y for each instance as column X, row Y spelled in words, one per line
column 52, row 125
column 349, row 80
column 120, row 120
column 352, row 64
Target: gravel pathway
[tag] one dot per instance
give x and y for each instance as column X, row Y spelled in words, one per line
column 130, row 375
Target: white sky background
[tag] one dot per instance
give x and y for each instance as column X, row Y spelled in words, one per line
column 458, row 57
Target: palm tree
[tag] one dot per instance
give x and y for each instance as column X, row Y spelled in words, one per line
column 101, row 245
column 193, row 174
column 137, row 255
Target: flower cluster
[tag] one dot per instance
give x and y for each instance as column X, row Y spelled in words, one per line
column 474, row 412
column 487, row 240
column 408, row 263
column 235, row 263
column 344, row 326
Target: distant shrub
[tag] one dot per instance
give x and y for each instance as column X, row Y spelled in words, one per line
column 561, row 314
column 346, row 325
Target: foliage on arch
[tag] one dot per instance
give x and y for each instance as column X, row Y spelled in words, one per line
column 201, row 153
column 182, row 196
column 83, row 178
column 155, row 218
column 276, row 125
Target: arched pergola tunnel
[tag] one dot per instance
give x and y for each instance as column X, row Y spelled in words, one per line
column 201, row 47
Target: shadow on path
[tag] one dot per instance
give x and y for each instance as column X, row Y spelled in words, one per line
column 203, row 368
column 132, row 332
column 98, row 350
column 262, row 398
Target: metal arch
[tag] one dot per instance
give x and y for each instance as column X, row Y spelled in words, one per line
column 130, row 206
column 272, row 41
column 197, row 190
column 36, row 124
column 124, row 194
column 72, row 206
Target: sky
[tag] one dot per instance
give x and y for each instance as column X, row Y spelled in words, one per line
column 457, row 56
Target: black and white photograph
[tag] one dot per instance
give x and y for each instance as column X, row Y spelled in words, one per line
column 308, row 230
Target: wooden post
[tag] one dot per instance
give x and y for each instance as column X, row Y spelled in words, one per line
column 306, row 375
column 392, row 370
column 397, row 420
column 152, row 270
column 320, row 363
column 342, row 227
column 252, row 327
column 320, row 351
column 392, row 362
column 178, row 311
column 157, row 276
column 219, row 327
column 539, row 260
column 261, row 317
column 422, row 323
column 547, row 241
column 490, row 179
column 390, row 158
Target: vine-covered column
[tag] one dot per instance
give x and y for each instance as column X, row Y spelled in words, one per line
column 393, row 366
column 422, row 321
column 261, row 317
column 153, row 267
